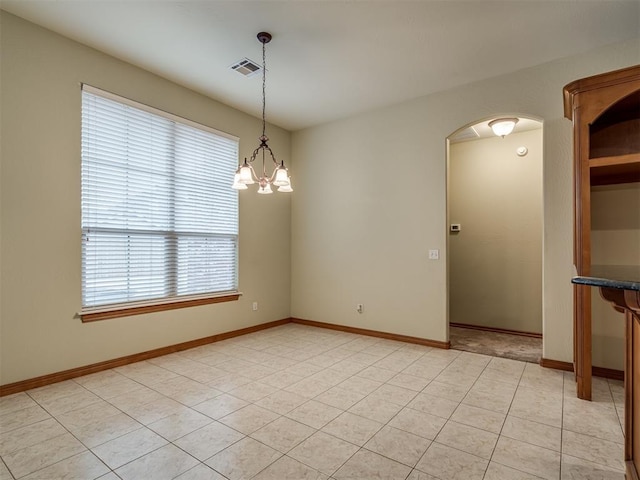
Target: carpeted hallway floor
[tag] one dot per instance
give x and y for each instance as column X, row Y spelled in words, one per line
column 515, row 347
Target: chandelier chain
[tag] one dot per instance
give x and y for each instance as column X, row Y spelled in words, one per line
column 264, row 89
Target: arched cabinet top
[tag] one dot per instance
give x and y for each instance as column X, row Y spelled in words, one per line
column 605, row 110
column 616, row 131
column 613, row 85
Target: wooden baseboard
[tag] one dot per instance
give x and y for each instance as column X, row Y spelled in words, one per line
column 374, row 333
column 556, row 364
column 158, row 352
column 596, row 371
column 496, row 330
column 608, row 373
column 137, row 357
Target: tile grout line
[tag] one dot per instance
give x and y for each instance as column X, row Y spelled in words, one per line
column 505, row 421
column 360, row 448
column 87, row 449
column 280, row 416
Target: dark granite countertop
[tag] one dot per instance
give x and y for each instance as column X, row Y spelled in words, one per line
column 625, row 277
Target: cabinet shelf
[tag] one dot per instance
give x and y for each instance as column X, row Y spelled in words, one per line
column 615, row 169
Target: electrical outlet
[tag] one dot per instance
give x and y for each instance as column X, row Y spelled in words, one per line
column 359, row 308
column 255, row 306
column 434, row 254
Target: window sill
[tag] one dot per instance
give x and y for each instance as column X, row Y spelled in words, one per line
column 127, row 311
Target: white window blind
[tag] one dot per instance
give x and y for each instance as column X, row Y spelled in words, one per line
column 159, row 220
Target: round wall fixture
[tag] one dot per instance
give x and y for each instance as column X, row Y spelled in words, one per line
column 522, row 151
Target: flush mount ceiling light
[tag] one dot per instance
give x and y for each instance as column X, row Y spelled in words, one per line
column 246, row 175
column 503, row 126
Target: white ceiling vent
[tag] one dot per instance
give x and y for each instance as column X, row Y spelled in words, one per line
column 466, row 134
column 246, row 67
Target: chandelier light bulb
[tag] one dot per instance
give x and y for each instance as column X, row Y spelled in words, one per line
column 286, row 188
column 282, row 176
column 237, row 184
column 265, row 188
column 246, row 174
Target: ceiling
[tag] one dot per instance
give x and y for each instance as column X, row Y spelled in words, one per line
column 482, row 130
column 333, row 59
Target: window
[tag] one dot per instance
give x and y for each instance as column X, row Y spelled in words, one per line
column 159, row 221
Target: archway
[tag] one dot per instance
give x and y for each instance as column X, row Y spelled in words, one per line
column 494, row 239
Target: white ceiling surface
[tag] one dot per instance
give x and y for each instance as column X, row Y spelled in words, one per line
column 333, row 59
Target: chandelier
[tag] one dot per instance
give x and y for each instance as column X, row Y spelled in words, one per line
column 246, row 175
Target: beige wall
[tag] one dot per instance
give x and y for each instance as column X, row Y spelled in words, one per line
column 615, row 240
column 371, row 201
column 40, row 78
column 496, row 196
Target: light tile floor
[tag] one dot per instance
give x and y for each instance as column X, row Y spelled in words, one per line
column 297, row 402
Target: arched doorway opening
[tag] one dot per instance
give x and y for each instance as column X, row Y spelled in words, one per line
column 494, row 239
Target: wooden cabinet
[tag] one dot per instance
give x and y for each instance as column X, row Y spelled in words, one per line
column 605, row 110
column 629, row 301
